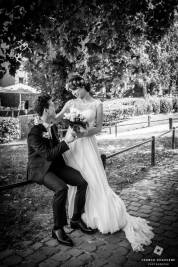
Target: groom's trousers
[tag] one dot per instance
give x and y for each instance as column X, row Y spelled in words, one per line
column 57, row 179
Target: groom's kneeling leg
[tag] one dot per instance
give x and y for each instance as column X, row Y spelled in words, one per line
column 54, row 183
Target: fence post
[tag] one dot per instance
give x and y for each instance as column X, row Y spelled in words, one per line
column 109, row 128
column 170, row 123
column 149, row 120
column 103, row 158
column 173, row 138
column 116, row 129
column 153, row 151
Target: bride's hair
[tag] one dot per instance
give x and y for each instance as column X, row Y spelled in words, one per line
column 77, row 81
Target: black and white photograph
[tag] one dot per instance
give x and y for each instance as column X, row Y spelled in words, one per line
column 88, row 133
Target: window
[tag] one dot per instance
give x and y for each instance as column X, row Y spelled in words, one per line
column 21, row 79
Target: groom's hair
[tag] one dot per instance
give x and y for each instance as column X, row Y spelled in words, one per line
column 41, row 103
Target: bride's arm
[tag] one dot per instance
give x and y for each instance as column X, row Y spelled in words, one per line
column 99, row 122
column 59, row 116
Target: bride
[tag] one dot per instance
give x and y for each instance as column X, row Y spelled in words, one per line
column 104, row 209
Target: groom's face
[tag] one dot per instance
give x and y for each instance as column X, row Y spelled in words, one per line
column 51, row 113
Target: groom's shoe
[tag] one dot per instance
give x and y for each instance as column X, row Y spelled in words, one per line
column 62, row 237
column 82, row 226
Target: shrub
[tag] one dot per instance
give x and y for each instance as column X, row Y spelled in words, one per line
column 140, row 107
column 155, row 102
column 175, row 104
column 9, row 130
column 165, row 105
column 149, row 106
column 128, row 111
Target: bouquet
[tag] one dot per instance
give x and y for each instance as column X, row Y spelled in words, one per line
column 76, row 121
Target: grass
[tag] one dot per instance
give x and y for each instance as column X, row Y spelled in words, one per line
column 26, row 212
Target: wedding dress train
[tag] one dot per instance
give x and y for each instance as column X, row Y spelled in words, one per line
column 104, row 209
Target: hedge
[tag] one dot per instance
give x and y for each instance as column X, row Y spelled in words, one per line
column 9, row 129
column 123, row 108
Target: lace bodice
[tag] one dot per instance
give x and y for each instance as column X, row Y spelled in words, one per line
column 87, row 109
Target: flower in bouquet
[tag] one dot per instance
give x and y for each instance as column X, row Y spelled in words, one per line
column 76, row 120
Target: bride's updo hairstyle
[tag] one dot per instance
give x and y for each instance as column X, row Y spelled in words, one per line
column 77, row 81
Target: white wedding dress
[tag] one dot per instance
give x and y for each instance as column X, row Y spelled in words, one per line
column 104, row 209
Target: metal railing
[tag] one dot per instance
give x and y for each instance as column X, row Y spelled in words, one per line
column 104, row 157
column 153, row 147
column 115, row 124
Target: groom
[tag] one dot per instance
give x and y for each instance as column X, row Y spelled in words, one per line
column 46, row 166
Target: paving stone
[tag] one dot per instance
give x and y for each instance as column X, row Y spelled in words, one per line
column 88, row 247
column 154, row 224
column 75, row 252
column 136, row 204
column 134, row 213
column 171, row 213
column 37, row 257
column 100, row 243
column 158, row 230
column 51, row 250
column 85, row 258
column 146, row 207
column 46, row 239
column 171, row 218
column 98, row 263
column 164, row 221
column 125, row 243
column 61, row 257
column 103, row 252
column 169, row 234
column 143, row 215
column 51, row 243
column 157, row 213
column 121, row 251
column 28, row 264
column 132, row 263
column 12, row 260
column 6, row 253
column 145, row 211
column 49, row 263
column 82, row 260
column 147, row 250
column 175, row 225
column 24, row 253
column 137, row 256
column 154, row 218
column 134, row 208
column 26, row 243
column 116, row 259
column 37, row 245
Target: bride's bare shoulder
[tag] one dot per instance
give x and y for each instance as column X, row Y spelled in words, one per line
column 69, row 103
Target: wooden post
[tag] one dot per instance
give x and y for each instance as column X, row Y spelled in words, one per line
column 173, row 138
column 20, row 128
column 103, row 158
column 170, row 123
column 153, row 151
column 20, row 100
column 116, row 129
column 109, row 128
column 149, row 120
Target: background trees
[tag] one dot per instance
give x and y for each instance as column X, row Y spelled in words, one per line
column 121, row 45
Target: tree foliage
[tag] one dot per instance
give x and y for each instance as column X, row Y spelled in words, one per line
column 105, row 41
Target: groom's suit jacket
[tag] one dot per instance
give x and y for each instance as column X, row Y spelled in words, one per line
column 42, row 152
